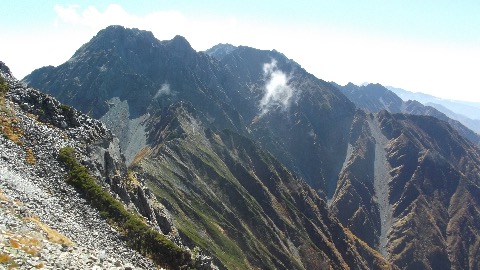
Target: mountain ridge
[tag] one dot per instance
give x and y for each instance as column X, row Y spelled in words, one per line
column 241, row 148
column 375, row 97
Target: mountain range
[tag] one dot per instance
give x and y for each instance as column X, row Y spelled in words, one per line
column 264, row 166
column 468, row 113
column 375, row 98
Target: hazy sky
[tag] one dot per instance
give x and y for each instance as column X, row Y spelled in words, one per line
column 423, row 45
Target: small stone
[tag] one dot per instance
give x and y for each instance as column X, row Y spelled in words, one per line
column 93, row 258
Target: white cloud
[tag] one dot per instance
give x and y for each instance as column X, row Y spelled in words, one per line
column 278, row 94
column 164, row 90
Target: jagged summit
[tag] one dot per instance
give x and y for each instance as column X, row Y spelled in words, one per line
column 179, row 43
column 117, row 39
column 220, row 50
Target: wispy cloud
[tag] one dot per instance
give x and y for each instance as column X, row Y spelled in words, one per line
column 278, row 93
column 164, row 90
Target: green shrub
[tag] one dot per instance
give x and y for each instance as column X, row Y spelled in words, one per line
column 3, row 87
column 65, row 108
column 138, row 234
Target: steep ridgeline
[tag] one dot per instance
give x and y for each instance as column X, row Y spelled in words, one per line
column 473, row 124
column 375, row 97
column 34, row 127
column 240, row 204
column 409, row 187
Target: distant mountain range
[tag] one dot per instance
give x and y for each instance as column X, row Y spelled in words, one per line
column 468, row 113
column 375, row 98
column 264, row 166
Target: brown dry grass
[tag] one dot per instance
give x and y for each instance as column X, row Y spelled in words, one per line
column 29, row 156
column 28, row 244
column 141, row 154
column 9, row 129
column 52, row 235
column 132, row 181
column 380, row 260
column 3, row 197
column 4, row 258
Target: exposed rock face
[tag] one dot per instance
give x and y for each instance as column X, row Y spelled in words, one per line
column 399, row 187
column 31, row 175
column 34, row 127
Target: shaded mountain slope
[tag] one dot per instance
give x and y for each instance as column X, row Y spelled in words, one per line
column 294, row 131
column 242, row 205
column 145, row 74
column 403, row 189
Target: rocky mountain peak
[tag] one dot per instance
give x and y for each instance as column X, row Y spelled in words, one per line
column 119, row 40
column 220, row 50
column 179, row 43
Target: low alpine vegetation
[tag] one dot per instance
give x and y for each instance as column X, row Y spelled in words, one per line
column 138, row 234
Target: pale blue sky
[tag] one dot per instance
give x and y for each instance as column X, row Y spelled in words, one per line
column 427, row 46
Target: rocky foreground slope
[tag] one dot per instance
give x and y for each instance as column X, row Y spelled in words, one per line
column 45, row 222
